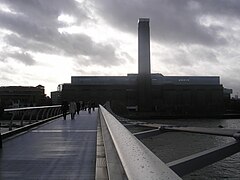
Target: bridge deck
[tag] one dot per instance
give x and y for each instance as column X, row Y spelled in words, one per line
column 62, row 149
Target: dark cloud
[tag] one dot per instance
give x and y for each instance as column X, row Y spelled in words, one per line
column 221, row 8
column 172, row 21
column 45, row 12
column 29, row 44
column 189, row 56
column 35, row 28
column 23, row 57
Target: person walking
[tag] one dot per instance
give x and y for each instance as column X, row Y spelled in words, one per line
column 72, row 109
column 84, row 106
column 93, row 105
column 81, row 105
column 64, row 109
column 89, row 107
column 78, row 107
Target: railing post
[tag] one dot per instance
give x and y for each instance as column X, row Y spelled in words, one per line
column 30, row 118
column 59, row 111
column 22, row 119
column 44, row 111
column 55, row 112
column 38, row 114
column 11, row 121
column 51, row 112
column 48, row 112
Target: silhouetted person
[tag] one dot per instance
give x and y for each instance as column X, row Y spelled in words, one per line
column 84, row 106
column 93, row 105
column 72, row 109
column 89, row 107
column 64, row 109
column 81, row 105
column 78, row 107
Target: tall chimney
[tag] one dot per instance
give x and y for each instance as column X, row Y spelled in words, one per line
column 144, row 70
column 144, row 67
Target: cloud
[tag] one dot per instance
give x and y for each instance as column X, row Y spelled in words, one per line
column 43, row 35
column 23, row 57
column 172, row 21
column 25, row 44
column 194, row 36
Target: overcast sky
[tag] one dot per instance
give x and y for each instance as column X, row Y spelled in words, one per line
column 48, row 41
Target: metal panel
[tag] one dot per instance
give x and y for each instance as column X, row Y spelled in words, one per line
column 210, row 131
column 191, row 163
column 149, row 133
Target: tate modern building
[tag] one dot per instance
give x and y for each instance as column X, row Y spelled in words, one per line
column 147, row 92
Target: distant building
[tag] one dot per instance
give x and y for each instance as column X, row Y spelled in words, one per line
column 23, row 96
column 146, row 92
column 169, row 94
column 56, row 97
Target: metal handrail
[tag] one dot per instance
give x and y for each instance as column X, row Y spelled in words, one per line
column 32, row 112
column 137, row 160
column 33, row 116
column 30, row 108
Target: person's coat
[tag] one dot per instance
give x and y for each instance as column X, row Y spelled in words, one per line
column 72, row 107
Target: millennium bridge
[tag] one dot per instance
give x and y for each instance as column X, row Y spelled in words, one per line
column 39, row 144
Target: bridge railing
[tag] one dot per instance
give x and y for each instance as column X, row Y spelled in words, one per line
column 137, row 161
column 28, row 115
column 26, row 118
column 19, row 117
column 181, row 166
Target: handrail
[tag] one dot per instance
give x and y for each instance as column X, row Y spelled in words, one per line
column 31, row 111
column 137, row 160
column 30, row 108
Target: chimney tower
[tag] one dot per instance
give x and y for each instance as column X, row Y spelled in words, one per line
column 144, row 67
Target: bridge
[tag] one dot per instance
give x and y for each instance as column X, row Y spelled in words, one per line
column 39, row 144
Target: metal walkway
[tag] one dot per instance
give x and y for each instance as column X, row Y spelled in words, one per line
column 61, row 149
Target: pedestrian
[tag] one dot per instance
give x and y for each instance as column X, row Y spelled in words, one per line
column 72, row 109
column 89, row 107
column 81, row 105
column 78, row 107
column 93, row 105
column 84, row 106
column 64, row 109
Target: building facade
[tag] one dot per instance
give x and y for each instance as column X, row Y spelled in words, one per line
column 146, row 92
column 188, row 95
column 22, row 96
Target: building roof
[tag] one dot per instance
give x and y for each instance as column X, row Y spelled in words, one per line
column 157, row 79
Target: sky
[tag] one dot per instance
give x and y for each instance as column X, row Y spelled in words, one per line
column 48, row 41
